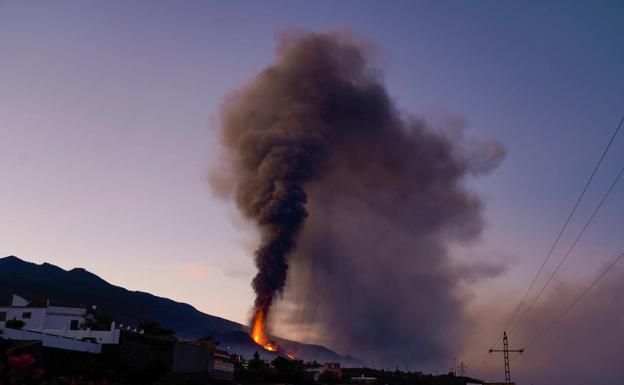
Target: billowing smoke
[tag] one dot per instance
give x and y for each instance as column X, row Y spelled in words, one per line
column 359, row 200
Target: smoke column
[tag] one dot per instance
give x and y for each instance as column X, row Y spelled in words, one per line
column 358, row 199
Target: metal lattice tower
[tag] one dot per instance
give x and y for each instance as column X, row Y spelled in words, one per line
column 506, row 352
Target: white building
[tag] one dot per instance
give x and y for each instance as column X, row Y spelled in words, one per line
column 54, row 326
column 43, row 316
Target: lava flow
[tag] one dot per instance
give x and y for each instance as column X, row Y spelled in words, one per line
column 258, row 332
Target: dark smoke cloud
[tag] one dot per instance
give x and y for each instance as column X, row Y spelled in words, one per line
column 480, row 271
column 360, row 201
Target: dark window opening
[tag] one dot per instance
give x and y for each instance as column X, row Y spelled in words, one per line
column 27, row 315
column 3, row 316
column 74, row 325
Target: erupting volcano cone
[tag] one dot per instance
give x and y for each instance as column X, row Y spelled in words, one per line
column 258, row 331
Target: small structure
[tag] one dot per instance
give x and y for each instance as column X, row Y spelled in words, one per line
column 363, row 380
column 314, row 369
column 222, row 365
column 141, row 351
column 332, row 369
column 55, row 326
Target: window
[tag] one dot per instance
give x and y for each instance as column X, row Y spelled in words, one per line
column 3, row 315
column 27, row 315
column 73, row 325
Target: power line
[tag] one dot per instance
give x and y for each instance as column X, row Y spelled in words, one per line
column 567, row 254
column 577, row 300
column 566, row 223
column 486, row 358
column 558, row 238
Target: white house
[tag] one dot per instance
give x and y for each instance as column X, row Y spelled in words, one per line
column 54, row 326
column 43, row 316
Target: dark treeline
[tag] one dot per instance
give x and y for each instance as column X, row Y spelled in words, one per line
column 284, row 370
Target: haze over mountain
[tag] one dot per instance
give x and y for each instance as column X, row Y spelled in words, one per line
column 79, row 287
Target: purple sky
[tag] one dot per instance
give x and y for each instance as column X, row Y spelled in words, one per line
column 108, row 113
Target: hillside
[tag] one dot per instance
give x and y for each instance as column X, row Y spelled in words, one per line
column 79, row 287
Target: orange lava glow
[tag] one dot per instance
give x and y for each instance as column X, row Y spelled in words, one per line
column 258, row 332
column 257, row 329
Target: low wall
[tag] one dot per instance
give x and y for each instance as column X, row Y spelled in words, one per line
column 52, row 341
column 101, row 337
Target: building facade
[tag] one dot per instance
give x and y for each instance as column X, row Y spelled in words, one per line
column 54, row 326
column 43, row 316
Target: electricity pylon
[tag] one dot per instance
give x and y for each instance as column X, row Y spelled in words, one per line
column 506, row 352
column 462, row 369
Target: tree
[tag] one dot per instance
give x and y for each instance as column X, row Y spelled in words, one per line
column 15, row 324
column 210, row 340
column 96, row 320
column 290, row 371
column 154, row 328
column 281, row 364
column 256, row 362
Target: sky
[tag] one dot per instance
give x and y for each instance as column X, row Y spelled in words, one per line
column 109, row 116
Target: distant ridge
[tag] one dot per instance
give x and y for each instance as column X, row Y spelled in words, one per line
column 81, row 287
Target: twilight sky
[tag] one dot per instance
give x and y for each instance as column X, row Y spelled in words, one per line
column 109, row 113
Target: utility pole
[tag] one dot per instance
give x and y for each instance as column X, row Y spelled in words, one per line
column 458, row 369
column 506, row 352
column 462, row 369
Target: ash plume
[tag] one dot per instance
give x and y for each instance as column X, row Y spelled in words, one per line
column 358, row 199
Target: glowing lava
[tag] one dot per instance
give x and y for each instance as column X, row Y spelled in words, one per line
column 270, row 347
column 258, row 332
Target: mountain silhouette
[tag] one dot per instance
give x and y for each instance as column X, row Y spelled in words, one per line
column 79, row 287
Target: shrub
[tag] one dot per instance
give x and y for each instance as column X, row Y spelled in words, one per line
column 19, row 369
column 15, row 324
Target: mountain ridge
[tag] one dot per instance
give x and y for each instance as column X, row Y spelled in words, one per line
column 80, row 287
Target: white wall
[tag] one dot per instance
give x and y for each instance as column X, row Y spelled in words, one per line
column 54, row 321
column 58, row 317
column 102, row 337
column 36, row 320
column 52, row 341
column 68, row 311
column 53, row 317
